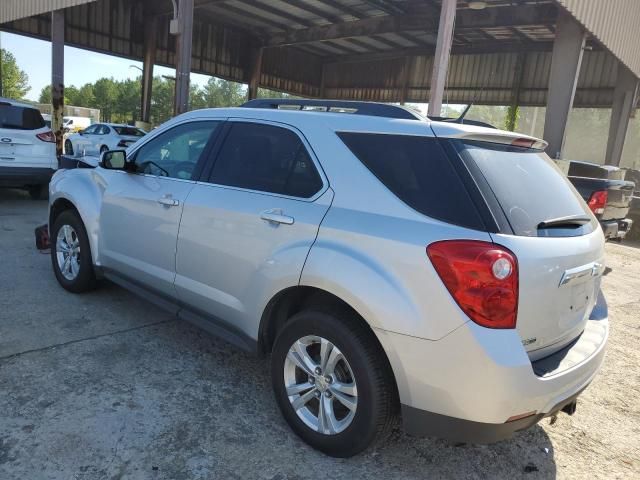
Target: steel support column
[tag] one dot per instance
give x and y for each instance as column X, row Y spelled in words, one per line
column 150, row 40
column 565, row 70
column 183, row 56
column 624, row 101
column 256, row 69
column 57, row 77
column 441, row 58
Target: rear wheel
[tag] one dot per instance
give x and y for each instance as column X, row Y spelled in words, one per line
column 71, row 254
column 68, row 147
column 103, row 149
column 332, row 382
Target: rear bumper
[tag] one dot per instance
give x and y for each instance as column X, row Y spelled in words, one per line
column 422, row 423
column 22, row 176
column 616, row 229
column 468, row 385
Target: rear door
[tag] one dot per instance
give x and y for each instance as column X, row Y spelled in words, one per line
column 246, row 231
column 556, row 239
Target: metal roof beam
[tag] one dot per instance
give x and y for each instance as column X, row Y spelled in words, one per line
column 455, row 50
column 525, row 15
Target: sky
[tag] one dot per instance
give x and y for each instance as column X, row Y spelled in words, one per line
column 80, row 66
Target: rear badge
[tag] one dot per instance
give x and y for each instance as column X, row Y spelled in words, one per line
column 529, row 341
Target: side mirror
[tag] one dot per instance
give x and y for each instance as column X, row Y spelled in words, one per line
column 114, row 160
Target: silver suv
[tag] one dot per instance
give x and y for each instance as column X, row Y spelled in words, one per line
column 444, row 272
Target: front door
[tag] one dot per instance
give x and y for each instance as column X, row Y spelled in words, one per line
column 141, row 211
column 246, row 232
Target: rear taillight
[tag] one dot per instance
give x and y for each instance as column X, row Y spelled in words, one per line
column 47, row 136
column 482, row 277
column 597, row 201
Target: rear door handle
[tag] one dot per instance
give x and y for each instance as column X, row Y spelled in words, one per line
column 168, row 202
column 276, row 216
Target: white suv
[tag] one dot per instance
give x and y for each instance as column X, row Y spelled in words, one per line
column 387, row 264
column 27, row 148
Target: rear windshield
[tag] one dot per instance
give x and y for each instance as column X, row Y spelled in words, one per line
column 20, row 118
column 129, row 131
column 418, row 171
column 528, row 186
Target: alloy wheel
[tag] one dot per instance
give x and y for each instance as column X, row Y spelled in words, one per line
column 68, row 252
column 320, row 385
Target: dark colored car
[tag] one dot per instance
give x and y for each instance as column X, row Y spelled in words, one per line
column 607, row 193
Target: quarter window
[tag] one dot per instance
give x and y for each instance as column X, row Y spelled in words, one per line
column 176, row 152
column 268, row 159
column 417, row 170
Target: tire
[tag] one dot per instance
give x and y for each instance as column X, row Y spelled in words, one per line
column 80, row 276
column 365, row 365
column 39, row 192
column 103, row 149
column 68, row 147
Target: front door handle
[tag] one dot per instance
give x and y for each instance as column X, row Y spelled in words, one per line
column 276, row 216
column 168, row 202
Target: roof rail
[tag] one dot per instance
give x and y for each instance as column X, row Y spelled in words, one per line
column 335, row 106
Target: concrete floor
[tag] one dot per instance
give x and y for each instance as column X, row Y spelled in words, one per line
column 104, row 385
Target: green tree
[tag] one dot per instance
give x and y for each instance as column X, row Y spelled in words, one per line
column 86, row 98
column 266, row 93
column 162, row 100
column 15, row 82
column 71, row 95
column 127, row 105
column 45, row 95
column 105, row 92
column 223, row 93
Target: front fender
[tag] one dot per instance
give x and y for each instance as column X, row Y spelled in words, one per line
column 84, row 189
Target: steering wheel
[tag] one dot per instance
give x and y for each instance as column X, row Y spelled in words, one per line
column 142, row 167
column 184, row 167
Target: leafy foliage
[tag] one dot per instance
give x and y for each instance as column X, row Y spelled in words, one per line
column 119, row 101
column 15, row 82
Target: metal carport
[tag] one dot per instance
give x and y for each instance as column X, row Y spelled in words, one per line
column 558, row 53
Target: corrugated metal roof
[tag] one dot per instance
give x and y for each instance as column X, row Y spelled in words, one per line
column 15, row 9
column 375, row 50
column 614, row 23
column 487, row 79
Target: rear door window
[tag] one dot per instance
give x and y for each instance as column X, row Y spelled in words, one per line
column 529, row 188
column 418, row 171
column 20, row 118
column 266, row 158
column 129, row 131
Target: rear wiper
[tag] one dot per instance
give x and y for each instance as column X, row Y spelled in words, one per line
column 572, row 221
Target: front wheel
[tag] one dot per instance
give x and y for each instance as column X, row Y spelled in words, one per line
column 71, row 254
column 103, row 149
column 333, row 383
column 68, row 147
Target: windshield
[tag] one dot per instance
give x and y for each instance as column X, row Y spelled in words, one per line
column 129, row 131
column 532, row 192
column 20, row 118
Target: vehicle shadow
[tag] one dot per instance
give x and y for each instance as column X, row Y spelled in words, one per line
column 260, row 433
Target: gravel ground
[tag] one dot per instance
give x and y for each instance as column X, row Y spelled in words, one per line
column 104, row 385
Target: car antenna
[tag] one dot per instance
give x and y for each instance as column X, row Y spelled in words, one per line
column 460, row 119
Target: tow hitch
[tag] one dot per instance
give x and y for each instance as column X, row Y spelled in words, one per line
column 42, row 237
